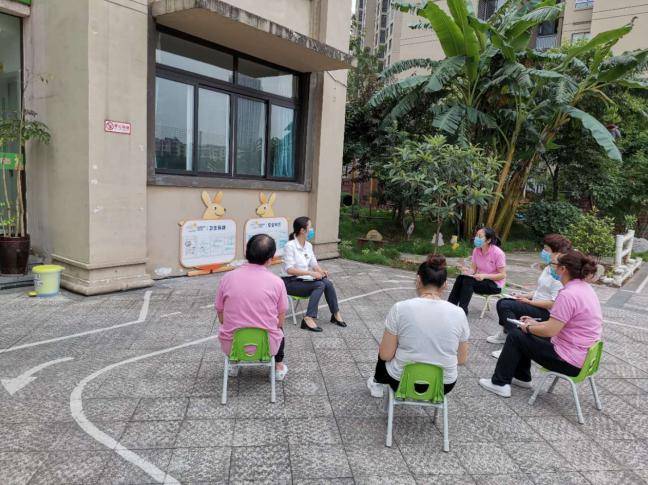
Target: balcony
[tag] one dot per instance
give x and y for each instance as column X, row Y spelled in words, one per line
column 544, row 42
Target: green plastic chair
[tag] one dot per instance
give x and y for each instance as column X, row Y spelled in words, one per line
column 406, row 394
column 590, row 367
column 241, row 355
column 294, row 305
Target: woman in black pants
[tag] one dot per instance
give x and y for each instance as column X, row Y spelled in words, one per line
column 535, row 304
column 487, row 273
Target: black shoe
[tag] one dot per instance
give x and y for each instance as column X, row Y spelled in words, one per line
column 339, row 323
column 305, row 326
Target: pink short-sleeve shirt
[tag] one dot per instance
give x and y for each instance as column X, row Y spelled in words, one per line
column 251, row 296
column 578, row 307
column 489, row 262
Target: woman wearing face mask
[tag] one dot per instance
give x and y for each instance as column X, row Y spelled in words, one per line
column 423, row 329
column 303, row 276
column 560, row 343
column 535, row 304
column 487, row 274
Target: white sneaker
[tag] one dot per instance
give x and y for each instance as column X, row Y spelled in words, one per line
column 280, row 375
column 523, row 384
column 504, row 391
column 233, row 371
column 498, row 338
column 496, row 353
column 375, row 389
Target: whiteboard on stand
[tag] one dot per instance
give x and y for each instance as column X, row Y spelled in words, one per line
column 205, row 242
column 275, row 227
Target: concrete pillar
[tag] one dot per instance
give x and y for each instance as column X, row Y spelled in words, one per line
column 328, row 95
column 87, row 189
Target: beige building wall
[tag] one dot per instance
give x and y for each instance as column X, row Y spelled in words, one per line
column 91, row 205
column 611, row 14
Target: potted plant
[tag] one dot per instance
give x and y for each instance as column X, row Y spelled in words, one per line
column 16, row 128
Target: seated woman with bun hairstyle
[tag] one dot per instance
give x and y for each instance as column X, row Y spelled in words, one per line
column 423, row 329
column 561, row 342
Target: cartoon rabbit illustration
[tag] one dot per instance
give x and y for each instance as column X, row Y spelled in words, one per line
column 265, row 209
column 214, row 210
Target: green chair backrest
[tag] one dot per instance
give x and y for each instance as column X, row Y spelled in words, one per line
column 591, row 364
column 250, row 345
column 421, row 374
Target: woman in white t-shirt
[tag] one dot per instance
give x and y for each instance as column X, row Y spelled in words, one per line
column 303, row 276
column 535, row 304
column 425, row 329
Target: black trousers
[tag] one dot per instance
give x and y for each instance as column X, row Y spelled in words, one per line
column 510, row 308
column 519, row 350
column 381, row 376
column 280, row 353
column 465, row 286
column 314, row 290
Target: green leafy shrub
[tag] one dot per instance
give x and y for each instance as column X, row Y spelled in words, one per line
column 545, row 217
column 630, row 222
column 592, row 235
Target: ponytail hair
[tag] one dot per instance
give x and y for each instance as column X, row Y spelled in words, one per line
column 491, row 236
column 298, row 224
column 578, row 265
column 433, row 271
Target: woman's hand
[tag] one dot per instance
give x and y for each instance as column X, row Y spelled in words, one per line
column 317, row 275
column 479, row 277
column 523, row 299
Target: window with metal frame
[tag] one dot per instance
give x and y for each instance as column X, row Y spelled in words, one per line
column 583, row 4
column 220, row 113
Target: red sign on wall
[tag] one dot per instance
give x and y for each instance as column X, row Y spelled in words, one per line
column 120, row 127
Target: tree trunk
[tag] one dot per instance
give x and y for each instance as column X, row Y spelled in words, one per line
column 469, row 220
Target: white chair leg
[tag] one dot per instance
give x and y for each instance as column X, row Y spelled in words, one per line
column 581, row 420
column 486, row 306
column 538, row 389
column 390, row 418
column 292, row 309
column 385, row 400
column 446, row 438
column 553, row 385
column 225, row 376
column 597, row 400
column 273, row 394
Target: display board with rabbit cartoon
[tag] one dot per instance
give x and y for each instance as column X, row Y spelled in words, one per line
column 267, row 223
column 208, row 244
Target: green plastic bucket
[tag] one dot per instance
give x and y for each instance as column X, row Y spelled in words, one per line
column 47, row 279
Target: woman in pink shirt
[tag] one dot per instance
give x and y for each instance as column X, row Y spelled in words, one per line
column 560, row 343
column 252, row 296
column 487, row 274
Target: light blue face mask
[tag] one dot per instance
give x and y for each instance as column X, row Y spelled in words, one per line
column 553, row 273
column 478, row 242
column 545, row 256
column 311, row 234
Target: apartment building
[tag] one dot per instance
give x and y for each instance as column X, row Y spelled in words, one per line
column 389, row 31
column 168, row 111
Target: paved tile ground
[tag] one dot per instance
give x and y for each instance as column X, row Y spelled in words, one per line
column 149, row 390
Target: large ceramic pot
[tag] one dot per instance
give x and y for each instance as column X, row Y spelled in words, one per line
column 14, row 254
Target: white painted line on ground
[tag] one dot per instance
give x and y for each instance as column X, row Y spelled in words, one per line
column 411, row 288
column 142, row 316
column 170, row 314
column 211, row 305
column 626, row 325
column 76, row 408
column 643, row 284
column 17, row 383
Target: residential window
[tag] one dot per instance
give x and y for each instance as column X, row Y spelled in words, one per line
column 219, row 113
column 583, row 4
column 578, row 36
